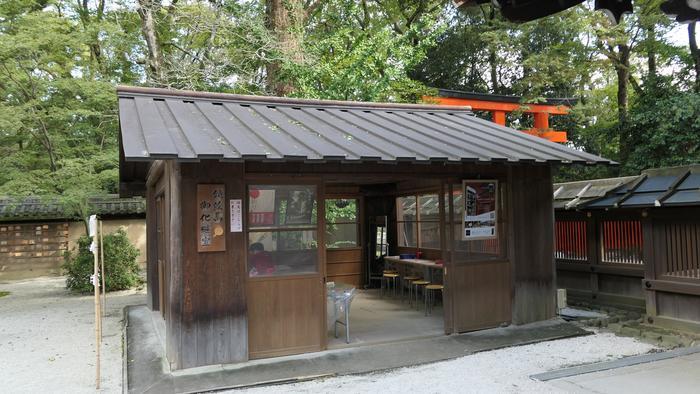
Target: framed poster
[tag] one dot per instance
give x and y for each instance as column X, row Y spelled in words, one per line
column 480, row 206
column 211, row 220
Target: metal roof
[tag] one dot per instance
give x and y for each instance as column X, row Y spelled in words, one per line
column 660, row 187
column 189, row 126
column 37, row 208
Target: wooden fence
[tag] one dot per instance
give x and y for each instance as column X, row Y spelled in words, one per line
column 640, row 259
column 599, row 257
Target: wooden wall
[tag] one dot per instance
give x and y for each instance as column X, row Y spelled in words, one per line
column 345, row 265
column 214, row 327
column 672, row 273
column 532, row 243
column 30, row 250
column 208, row 317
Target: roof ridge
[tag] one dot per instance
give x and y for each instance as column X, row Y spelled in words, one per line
column 123, row 91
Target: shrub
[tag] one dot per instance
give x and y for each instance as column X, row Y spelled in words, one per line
column 122, row 271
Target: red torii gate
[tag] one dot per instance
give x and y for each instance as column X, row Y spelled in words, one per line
column 499, row 105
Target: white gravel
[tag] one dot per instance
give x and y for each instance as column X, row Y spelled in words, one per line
column 47, row 338
column 498, row 371
column 46, row 345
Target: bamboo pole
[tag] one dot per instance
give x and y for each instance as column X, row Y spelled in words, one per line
column 102, row 271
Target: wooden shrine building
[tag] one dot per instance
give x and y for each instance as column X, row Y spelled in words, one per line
column 258, row 205
column 633, row 242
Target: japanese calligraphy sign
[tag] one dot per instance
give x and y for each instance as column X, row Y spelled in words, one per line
column 211, row 219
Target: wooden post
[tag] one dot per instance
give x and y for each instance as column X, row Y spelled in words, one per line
column 102, row 272
column 96, row 284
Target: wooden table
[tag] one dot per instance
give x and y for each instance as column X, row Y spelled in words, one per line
column 426, row 265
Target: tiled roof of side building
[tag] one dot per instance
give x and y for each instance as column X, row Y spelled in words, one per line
column 659, row 187
column 51, row 208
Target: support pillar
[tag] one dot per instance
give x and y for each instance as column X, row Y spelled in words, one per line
column 499, row 117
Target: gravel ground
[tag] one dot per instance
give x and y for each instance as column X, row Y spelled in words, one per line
column 46, row 345
column 47, row 338
column 499, row 371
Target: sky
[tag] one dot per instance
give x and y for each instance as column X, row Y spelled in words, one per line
column 679, row 34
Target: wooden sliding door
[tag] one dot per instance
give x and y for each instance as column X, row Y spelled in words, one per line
column 478, row 273
column 344, row 257
column 285, row 265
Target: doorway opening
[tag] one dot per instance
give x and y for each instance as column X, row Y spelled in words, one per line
column 361, row 244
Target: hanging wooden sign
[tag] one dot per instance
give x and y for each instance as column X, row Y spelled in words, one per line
column 211, row 222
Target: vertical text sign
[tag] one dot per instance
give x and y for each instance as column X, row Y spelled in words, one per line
column 211, row 220
column 236, row 211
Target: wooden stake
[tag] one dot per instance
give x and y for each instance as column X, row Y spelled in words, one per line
column 98, row 334
column 102, row 271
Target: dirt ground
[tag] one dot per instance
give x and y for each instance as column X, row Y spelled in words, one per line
column 47, row 338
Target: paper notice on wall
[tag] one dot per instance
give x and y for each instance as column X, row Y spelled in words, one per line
column 92, row 225
column 479, row 209
column 236, row 210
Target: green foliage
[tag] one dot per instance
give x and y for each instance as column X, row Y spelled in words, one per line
column 665, row 124
column 60, row 61
column 121, row 268
column 4, row 293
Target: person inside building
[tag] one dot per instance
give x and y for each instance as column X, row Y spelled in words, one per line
column 259, row 260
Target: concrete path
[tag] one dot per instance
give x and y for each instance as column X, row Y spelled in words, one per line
column 680, row 374
column 147, row 371
column 47, row 338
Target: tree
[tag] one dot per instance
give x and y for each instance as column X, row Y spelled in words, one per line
column 694, row 53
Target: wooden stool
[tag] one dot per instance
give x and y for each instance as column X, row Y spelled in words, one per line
column 407, row 283
column 392, row 278
column 429, row 295
column 417, row 284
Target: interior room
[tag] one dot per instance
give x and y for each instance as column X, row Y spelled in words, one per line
column 368, row 227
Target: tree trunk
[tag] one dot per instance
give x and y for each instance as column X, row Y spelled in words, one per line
column 622, row 68
column 651, row 55
column 493, row 59
column 146, row 11
column 493, row 65
column 695, row 53
column 285, row 20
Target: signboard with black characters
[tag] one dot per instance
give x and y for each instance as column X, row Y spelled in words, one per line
column 211, row 220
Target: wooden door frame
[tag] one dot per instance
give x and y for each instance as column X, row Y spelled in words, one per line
column 361, row 232
column 161, row 246
column 284, row 180
column 448, row 252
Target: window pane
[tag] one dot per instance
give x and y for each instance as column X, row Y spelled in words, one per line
column 275, row 253
column 341, row 210
column 429, row 207
column 429, row 235
column 281, row 206
column 341, row 235
column 407, row 233
column 406, row 209
column 472, row 250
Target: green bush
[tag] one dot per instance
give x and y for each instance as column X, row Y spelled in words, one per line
column 122, row 271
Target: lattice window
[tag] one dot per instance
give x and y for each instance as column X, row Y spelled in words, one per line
column 570, row 240
column 621, row 242
column 682, row 259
